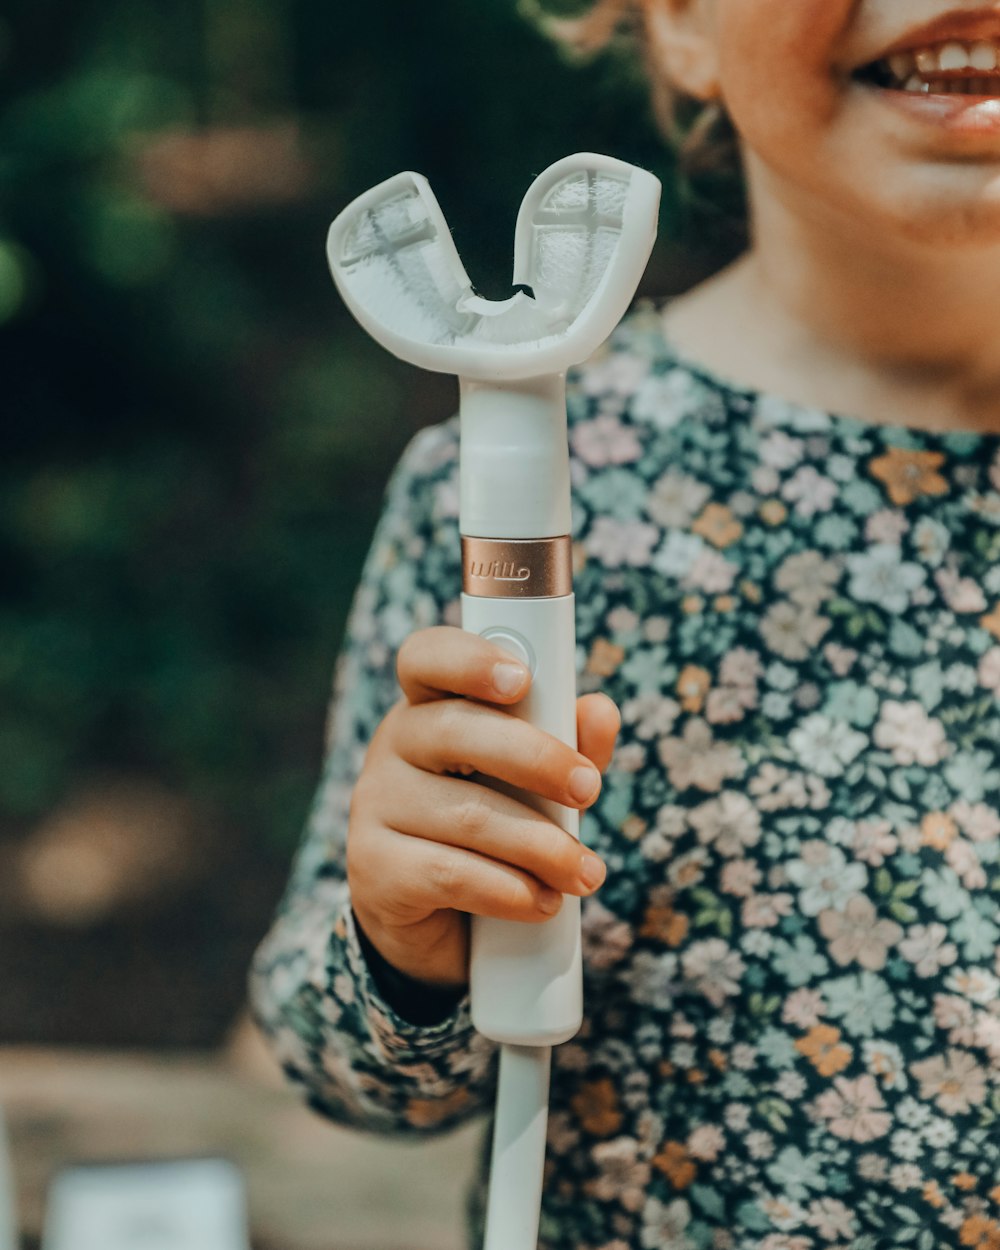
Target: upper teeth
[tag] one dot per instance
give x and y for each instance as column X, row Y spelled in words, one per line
column 945, row 58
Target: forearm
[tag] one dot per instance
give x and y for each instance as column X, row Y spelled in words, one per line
column 373, row 1049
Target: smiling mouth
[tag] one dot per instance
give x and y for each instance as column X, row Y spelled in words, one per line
column 952, row 68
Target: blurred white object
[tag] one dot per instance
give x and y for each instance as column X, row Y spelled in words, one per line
column 8, row 1208
column 197, row 1204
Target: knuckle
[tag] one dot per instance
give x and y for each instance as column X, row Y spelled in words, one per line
column 446, row 875
column 473, row 815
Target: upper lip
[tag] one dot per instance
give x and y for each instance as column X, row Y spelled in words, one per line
column 961, row 25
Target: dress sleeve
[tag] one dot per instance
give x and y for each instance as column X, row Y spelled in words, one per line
column 368, row 1054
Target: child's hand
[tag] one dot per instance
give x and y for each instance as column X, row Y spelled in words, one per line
column 424, row 848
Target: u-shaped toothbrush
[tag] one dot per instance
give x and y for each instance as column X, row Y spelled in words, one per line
column 584, row 234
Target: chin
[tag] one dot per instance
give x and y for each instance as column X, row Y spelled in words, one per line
column 937, row 214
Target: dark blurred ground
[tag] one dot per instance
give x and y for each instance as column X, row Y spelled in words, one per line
column 310, row 1185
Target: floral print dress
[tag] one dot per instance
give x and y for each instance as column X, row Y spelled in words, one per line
column 792, row 1019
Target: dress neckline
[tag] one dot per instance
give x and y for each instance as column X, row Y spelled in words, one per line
column 778, row 412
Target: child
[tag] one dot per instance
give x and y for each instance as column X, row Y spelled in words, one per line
column 787, row 531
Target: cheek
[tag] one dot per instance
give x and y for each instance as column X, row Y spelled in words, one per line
column 776, row 63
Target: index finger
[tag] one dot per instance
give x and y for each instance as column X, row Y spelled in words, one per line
column 443, row 661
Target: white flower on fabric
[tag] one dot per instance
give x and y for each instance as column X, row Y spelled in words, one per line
column 663, row 1226
column 910, row 734
column 825, row 878
column 780, row 450
column 714, row 969
column 826, row 746
column 662, row 400
column 652, row 979
column 976, row 984
column 712, row 572
column 931, row 539
column 678, row 553
column 880, row 576
column 613, row 373
column 676, row 499
column 810, row 491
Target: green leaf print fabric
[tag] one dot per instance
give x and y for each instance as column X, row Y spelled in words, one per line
column 792, row 1030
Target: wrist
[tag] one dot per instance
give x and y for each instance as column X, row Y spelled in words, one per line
column 415, row 1000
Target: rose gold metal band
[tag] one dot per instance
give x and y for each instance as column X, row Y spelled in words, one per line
column 532, row 568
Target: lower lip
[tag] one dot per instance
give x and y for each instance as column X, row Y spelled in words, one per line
column 972, row 115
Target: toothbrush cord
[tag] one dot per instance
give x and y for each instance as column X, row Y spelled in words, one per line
column 522, row 1109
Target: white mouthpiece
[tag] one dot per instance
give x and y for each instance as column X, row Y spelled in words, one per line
column 584, row 234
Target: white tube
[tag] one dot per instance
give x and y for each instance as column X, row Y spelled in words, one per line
column 9, row 1239
column 522, row 1109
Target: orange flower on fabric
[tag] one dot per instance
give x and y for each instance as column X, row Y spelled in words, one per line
column 821, row 1047
column 596, row 1107
column 939, row 830
column 692, row 686
column 909, row 474
column 718, row 525
column 964, row 1180
column 426, row 1112
column 676, row 1165
column 772, row 511
column 663, row 924
column 605, row 657
column 991, row 622
column 935, row 1197
column 981, row 1232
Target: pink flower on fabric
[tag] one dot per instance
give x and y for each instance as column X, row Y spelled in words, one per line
column 857, row 935
column 956, row 1081
column 910, row 734
column 854, row 1110
column 804, row 1008
column 927, row 948
column 886, row 526
column 615, row 543
column 961, row 594
column 978, row 821
column 605, row 440
column 989, row 670
column 714, row 968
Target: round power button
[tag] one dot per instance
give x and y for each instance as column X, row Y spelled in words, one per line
column 513, row 643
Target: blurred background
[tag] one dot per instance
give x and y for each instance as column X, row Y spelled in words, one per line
column 195, row 441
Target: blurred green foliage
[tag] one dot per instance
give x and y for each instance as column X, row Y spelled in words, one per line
column 196, row 437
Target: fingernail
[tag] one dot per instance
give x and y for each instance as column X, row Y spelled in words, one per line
column 508, row 678
column 592, row 870
column 550, row 901
column 584, row 783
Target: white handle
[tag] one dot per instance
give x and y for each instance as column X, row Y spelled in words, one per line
column 526, row 979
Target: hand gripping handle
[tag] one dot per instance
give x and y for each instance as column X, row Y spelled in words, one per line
column 526, row 978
